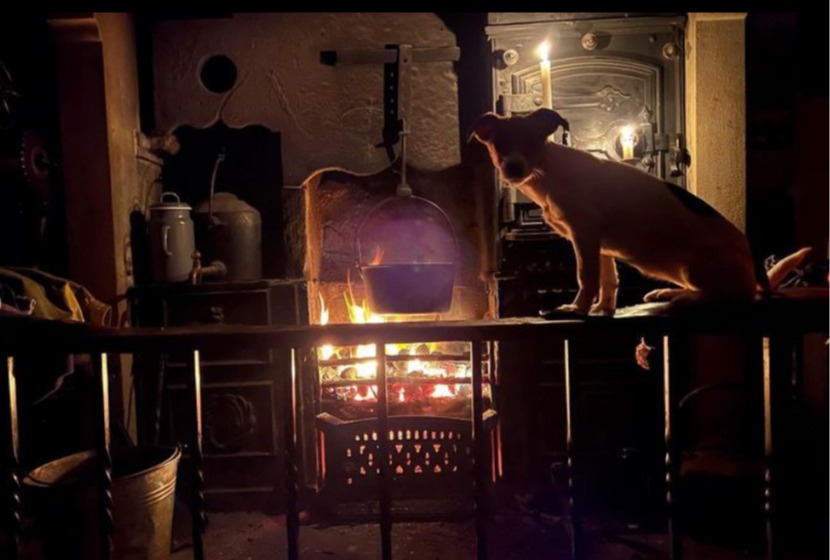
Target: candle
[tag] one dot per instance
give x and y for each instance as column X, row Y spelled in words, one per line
column 547, row 97
column 627, row 138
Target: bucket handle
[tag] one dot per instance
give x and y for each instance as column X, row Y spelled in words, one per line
column 359, row 249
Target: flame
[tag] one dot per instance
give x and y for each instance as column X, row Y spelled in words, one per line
column 378, row 258
column 366, row 370
column 326, row 351
column 627, row 135
column 324, row 312
column 365, row 364
column 543, row 50
column 442, row 391
column 360, row 314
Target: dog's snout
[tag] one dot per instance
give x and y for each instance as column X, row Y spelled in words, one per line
column 513, row 168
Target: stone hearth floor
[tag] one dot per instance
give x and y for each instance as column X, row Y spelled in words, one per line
column 255, row 536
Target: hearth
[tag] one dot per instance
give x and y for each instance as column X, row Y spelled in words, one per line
column 429, row 385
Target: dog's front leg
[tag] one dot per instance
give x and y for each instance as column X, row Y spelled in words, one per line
column 609, row 282
column 586, row 250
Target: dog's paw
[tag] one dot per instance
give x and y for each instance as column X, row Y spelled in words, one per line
column 571, row 308
column 603, row 309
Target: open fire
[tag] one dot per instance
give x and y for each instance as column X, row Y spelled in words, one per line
column 423, row 379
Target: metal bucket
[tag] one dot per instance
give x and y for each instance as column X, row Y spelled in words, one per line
column 65, row 501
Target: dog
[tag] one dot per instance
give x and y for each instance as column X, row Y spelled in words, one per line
column 614, row 211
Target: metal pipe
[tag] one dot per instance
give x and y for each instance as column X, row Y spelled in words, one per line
column 479, row 453
column 197, row 483
column 105, row 458
column 382, row 457
column 289, row 426
column 577, row 544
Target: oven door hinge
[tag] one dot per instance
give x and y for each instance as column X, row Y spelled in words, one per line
column 675, row 146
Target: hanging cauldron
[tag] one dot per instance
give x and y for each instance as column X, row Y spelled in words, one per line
column 406, row 252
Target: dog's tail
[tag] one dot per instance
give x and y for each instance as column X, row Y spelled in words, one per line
column 769, row 280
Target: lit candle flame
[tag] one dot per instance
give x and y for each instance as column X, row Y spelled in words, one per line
column 543, row 50
column 627, row 140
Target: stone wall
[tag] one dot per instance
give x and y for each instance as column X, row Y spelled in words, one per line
column 327, row 115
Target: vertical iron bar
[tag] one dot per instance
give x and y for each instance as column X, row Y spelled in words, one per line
column 9, row 390
column 162, row 367
column 479, row 452
column 289, row 426
column 197, row 475
column 768, row 449
column 382, row 456
column 577, row 543
column 671, row 459
column 105, row 458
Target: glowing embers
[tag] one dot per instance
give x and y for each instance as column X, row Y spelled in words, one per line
column 422, row 378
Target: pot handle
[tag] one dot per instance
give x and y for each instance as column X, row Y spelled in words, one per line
column 168, row 193
column 165, row 234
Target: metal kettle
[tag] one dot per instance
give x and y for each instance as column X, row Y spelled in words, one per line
column 229, row 230
column 171, row 239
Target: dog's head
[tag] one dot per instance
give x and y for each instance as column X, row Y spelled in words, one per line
column 516, row 143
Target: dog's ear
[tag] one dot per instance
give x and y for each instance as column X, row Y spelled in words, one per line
column 484, row 128
column 548, row 121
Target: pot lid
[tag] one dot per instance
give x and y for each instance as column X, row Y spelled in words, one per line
column 225, row 202
column 165, row 203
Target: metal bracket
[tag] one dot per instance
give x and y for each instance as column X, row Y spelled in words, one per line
column 509, row 103
column 679, row 157
column 397, row 62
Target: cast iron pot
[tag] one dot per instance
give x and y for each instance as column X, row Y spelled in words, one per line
column 409, row 288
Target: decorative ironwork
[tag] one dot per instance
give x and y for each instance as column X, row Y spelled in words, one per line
column 480, row 453
column 230, row 420
column 423, row 452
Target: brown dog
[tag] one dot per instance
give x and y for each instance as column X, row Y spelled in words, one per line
column 610, row 210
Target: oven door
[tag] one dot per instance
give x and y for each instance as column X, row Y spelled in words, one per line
column 606, row 75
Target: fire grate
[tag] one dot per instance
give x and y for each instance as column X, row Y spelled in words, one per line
column 429, row 457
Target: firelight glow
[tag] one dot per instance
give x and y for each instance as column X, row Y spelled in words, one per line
column 627, row 139
column 365, row 364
